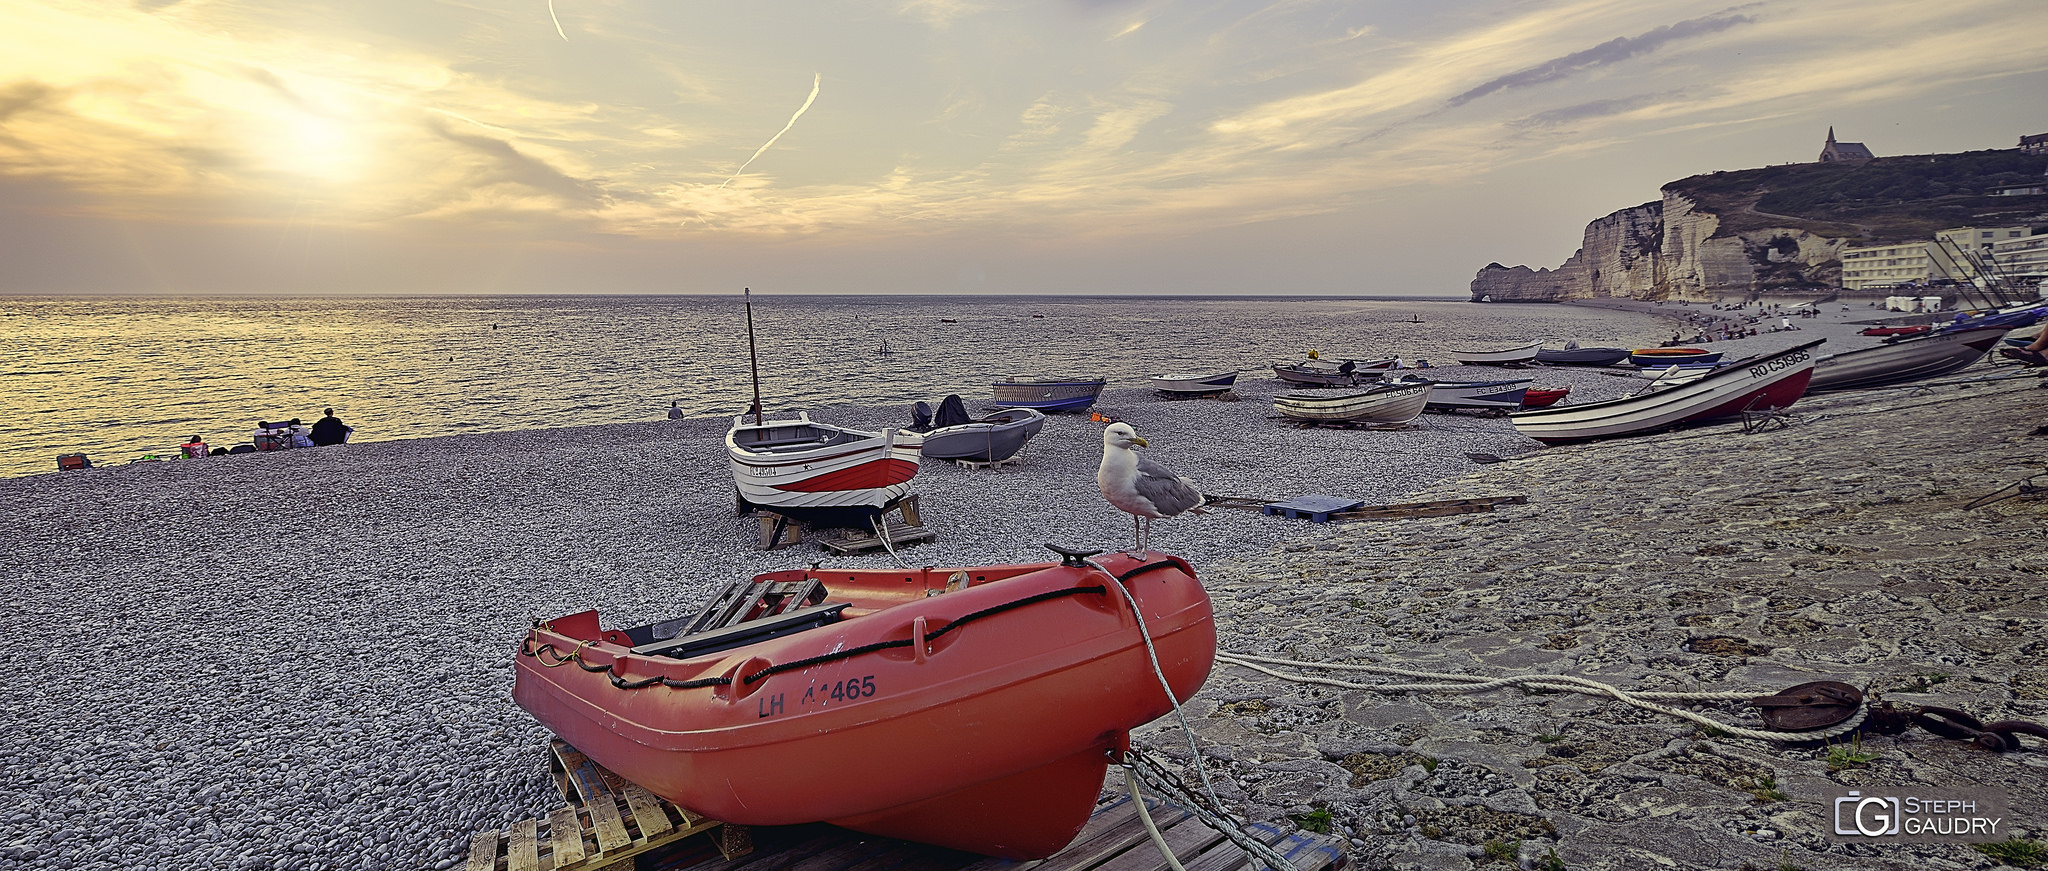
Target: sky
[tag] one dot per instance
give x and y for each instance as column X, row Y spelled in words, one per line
column 929, row 146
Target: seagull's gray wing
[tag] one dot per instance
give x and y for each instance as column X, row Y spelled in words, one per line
column 1168, row 494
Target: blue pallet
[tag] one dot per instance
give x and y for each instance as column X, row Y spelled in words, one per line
column 1314, row 507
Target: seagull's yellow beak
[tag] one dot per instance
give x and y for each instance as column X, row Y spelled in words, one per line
column 1139, row 441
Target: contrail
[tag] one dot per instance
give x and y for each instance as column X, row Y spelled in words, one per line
column 558, row 21
column 819, row 78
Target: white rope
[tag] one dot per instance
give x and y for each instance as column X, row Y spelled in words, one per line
column 1159, row 672
column 1450, row 682
column 1213, row 817
column 1151, row 828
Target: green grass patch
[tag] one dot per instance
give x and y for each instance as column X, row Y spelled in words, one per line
column 2017, row 852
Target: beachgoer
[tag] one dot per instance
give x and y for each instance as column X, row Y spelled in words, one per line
column 2034, row 354
column 329, row 430
column 675, row 409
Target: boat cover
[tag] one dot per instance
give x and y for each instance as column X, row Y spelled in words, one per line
column 952, row 412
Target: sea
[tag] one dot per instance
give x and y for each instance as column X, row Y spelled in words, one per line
column 124, row 379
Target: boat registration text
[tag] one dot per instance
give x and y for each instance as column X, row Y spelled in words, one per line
column 823, row 695
column 1775, row 364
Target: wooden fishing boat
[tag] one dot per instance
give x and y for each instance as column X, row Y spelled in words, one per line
column 1470, row 394
column 1916, row 356
column 1581, row 356
column 973, row 708
column 1544, row 397
column 1517, row 354
column 1315, row 372
column 1667, row 356
column 1194, row 383
column 801, row 467
column 991, row 438
column 1377, row 403
column 1773, row 381
column 1048, row 394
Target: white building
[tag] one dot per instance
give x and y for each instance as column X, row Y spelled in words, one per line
column 1960, row 255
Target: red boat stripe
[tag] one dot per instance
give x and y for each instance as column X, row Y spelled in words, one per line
column 868, row 475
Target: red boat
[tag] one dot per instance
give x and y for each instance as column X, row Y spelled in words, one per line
column 973, row 708
column 1543, row 397
column 1894, row 331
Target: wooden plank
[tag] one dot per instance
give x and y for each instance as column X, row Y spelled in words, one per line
column 1187, row 838
column 605, row 823
column 648, row 814
column 565, row 838
column 1228, row 856
column 483, row 852
column 524, row 854
column 1104, row 818
column 1112, row 841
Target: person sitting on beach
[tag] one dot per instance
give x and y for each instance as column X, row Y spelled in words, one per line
column 675, row 409
column 329, row 430
column 2034, row 354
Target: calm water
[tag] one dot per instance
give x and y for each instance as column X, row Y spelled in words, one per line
column 118, row 378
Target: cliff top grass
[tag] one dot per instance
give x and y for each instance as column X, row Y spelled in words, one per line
column 1882, row 201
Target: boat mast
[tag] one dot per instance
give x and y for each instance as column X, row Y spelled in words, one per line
column 753, row 362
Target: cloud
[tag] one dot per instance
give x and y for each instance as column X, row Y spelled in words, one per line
column 518, row 168
column 1615, row 50
column 1595, row 109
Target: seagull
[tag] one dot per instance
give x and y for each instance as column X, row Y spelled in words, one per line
column 1141, row 487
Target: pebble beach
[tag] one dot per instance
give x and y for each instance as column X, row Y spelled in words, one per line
column 302, row 659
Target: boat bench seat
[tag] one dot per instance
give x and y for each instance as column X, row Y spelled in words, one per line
column 739, row 604
column 740, row 635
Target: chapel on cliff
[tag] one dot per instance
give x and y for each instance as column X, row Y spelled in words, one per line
column 1836, row 152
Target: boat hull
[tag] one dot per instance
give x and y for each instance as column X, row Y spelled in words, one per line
column 1378, row 404
column 1765, row 381
column 797, row 466
column 1451, row 395
column 1323, row 373
column 1050, row 395
column 1195, row 384
column 1544, row 397
column 1582, row 356
column 990, row 737
column 1926, row 355
column 1522, row 354
column 991, row 439
column 1648, row 357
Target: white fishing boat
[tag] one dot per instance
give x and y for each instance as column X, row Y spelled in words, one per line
column 1194, row 383
column 1517, row 354
column 1909, row 358
column 812, row 470
column 1767, row 381
column 800, row 465
column 1377, row 403
column 1316, row 372
column 1471, row 394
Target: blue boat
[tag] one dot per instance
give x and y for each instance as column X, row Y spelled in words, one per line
column 1048, row 394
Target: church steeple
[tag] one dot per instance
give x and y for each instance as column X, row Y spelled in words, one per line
column 1831, row 134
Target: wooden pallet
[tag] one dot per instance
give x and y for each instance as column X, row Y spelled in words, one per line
column 1113, row 840
column 608, row 825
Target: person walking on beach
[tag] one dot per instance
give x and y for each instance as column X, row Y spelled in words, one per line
column 330, row 430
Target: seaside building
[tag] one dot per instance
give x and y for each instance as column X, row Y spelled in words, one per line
column 1837, row 152
column 1958, row 255
column 2035, row 144
column 1884, row 265
column 2022, row 261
